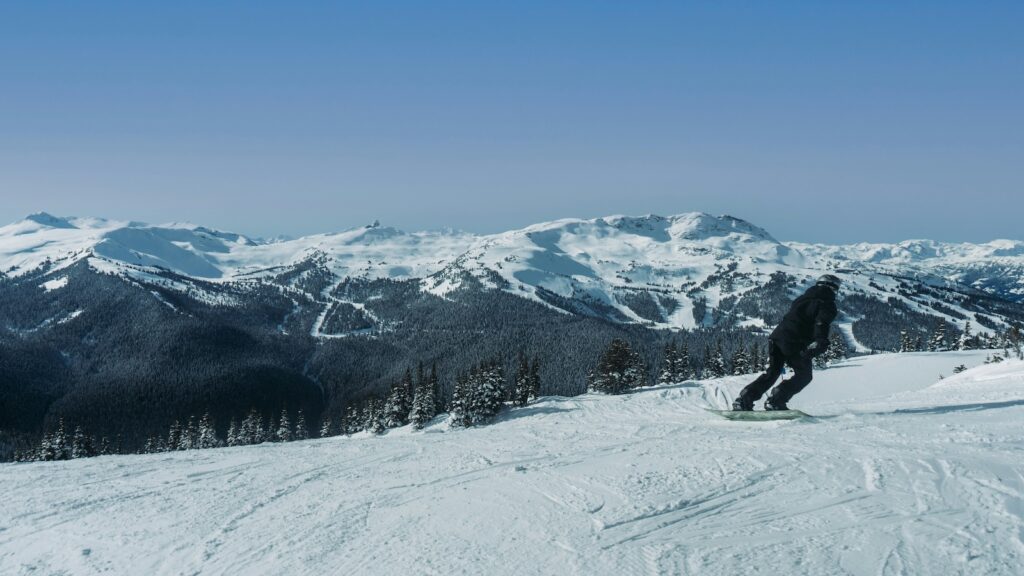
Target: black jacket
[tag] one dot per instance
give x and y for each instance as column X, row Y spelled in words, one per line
column 808, row 320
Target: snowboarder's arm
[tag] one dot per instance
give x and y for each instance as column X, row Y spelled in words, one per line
column 827, row 312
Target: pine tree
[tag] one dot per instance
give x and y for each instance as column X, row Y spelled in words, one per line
column 435, row 390
column 284, row 428
column 423, row 404
column 326, row 427
column 81, row 444
column 1014, row 343
column 174, row 436
column 234, row 435
column 938, row 339
column 756, row 362
column 301, row 428
column 966, row 338
column 206, row 436
column 714, row 366
column 669, row 364
column 458, row 413
column 46, row 451
column 821, row 360
column 60, row 442
column 375, row 418
column 618, row 370
column 353, row 420
column 534, row 380
column 741, row 362
column 394, row 416
column 252, row 431
column 488, row 393
column 189, row 435
column 904, row 342
column 151, row 446
column 521, row 388
column 683, row 368
column 837, row 348
column 105, row 448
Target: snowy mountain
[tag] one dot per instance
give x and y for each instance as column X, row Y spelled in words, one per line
column 125, row 327
column 901, row 473
column 665, row 272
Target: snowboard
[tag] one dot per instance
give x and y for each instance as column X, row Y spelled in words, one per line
column 759, row 415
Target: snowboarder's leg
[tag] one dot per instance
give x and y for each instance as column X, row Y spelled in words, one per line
column 802, row 375
column 757, row 388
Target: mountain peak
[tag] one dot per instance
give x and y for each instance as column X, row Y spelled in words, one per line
column 49, row 220
column 701, row 226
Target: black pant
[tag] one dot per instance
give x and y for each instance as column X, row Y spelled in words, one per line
column 779, row 354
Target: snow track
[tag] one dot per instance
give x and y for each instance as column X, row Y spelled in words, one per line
column 923, row 478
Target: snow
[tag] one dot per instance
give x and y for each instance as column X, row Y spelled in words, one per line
column 901, row 473
column 55, row 284
column 601, row 258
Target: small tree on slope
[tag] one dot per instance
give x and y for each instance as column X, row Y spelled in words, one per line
column 616, row 371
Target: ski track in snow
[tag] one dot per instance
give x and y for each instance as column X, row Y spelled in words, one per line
column 647, row 483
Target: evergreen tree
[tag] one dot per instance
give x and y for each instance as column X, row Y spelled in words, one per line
column 458, row 413
column 174, row 436
column 1014, row 344
column 81, row 444
column 60, row 442
column 618, row 370
column 234, row 435
column 905, row 342
column 47, row 450
column 326, row 427
column 152, row 446
column 353, row 420
column 284, row 428
column 206, row 436
column 435, row 390
column 683, row 366
column 105, row 449
column 396, row 410
column 521, row 387
column 189, row 435
column 534, row 380
column 821, row 360
column 301, row 428
column 837, row 348
column 487, row 393
column 251, row 430
column 669, row 364
column 376, row 422
column 938, row 339
column 423, row 403
column 741, row 362
column 756, row 362
column 715, row 362
column 966, row 338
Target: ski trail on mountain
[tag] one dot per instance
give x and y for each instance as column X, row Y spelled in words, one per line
column 645, row 483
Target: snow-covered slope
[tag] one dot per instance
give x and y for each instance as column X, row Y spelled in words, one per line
column 902, row 473
column 684, row 271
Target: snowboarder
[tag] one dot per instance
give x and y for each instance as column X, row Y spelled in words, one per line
column 802, row 335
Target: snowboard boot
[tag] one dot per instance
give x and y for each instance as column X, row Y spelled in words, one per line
column 773, row 403
column 741, row 404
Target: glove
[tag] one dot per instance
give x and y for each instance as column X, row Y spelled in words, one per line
column 815, row 349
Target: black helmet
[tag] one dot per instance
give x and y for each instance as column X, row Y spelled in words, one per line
column 831, row 281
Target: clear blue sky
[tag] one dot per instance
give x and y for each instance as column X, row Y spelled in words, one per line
column 820, row 121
